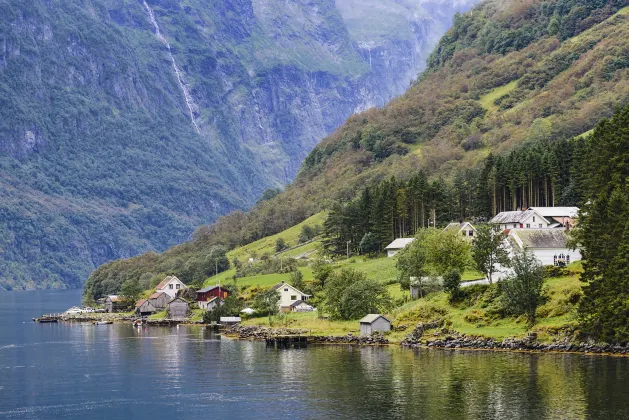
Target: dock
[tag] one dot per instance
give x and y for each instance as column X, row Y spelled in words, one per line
column 287, row 342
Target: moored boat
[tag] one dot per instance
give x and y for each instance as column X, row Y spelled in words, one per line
column 103, row 322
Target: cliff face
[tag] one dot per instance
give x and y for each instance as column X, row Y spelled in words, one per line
column 125, row 124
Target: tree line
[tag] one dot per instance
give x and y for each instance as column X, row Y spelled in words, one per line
column 539, row 173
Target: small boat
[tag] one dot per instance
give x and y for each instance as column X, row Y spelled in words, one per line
column 103, row 322
column 137, row 323
column 45, row 319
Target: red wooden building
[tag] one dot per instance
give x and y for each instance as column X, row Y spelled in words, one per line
column 211, row 292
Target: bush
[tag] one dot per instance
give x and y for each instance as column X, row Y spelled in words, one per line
column 452, row 284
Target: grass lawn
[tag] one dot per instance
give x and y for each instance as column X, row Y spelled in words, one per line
column 267, row 245
column 488, row 100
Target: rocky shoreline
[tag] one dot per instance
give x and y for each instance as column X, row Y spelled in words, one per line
column 454, row 340
column 262, row 333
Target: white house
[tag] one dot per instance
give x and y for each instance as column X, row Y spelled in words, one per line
column 520, row 219
column 374, row 322
column 289, row 296
column 396, row 246
column 209, row 305
column 170, row 285
column 550, row 246
column 464, row 229
column 559, row 216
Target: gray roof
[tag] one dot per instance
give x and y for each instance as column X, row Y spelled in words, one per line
column 557, row 211
column 513, row 216
column 230, row 319
column 542, row 238
column 369, row 319
column 456, row 227
column 400, row 243
column 207, row 289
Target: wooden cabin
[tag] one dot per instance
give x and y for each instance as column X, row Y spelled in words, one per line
column 159, row 300
column 144, row 307
column 208, row 293
column 178, row 308
column 114, row 303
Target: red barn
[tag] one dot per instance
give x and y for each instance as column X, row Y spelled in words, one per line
column 211, row 292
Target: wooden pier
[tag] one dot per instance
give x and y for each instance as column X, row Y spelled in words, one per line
column 287, row 342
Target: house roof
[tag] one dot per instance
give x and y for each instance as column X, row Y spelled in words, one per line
column 456, row 227
column 140, row 303
column 178, row 298
column 540, row 238
column 517, row 216
column 207, row 289
column 284, row 284
column 369, row 319
column 557, row 211
column 296, row 303
column 167, row 280
column 157, row 295
column 114, row 298
column 400, row 243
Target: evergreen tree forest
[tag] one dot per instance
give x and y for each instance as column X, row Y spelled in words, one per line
column 541, row 173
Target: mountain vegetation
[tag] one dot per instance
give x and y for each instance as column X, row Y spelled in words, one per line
column 487, row 127
column 124, row 125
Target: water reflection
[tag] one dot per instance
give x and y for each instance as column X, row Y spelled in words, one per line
column 83, row 371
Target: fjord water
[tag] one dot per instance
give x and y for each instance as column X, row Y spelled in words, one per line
column 62, row 371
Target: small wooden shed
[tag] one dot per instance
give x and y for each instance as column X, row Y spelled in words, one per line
column 374, row 322
column 178, row 308
column 114, row 303
column 159, row 300
column 145, row 307
column 230, row 320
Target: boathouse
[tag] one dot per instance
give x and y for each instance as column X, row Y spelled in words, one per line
column 178, row 308
column 159, row 300
column 374, row 322
column 145, row 307
column 114, row 303
column 209, row 305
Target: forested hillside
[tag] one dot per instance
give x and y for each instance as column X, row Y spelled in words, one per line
column 522, row 76
column 126, row 124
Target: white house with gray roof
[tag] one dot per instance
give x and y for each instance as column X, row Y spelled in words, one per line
column 464, row 229
column 290, row 297
column 396, row 246
column 550, row 246
column 520, row 219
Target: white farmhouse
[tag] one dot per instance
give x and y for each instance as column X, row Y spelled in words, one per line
column 520, row 219
column 464, row 229
column 550, row 246
column 289, row 296
column 396, row 246
column 170, row 285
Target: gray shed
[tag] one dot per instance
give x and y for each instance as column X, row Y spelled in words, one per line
column 178, row 308
column 374, row 322
column 159, row 300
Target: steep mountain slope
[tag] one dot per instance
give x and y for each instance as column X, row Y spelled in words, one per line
column 507, row 73
column 125, row 124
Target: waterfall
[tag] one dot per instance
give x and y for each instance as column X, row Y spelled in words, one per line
column 180, row 76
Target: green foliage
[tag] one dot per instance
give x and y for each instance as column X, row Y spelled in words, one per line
column 350, row 295
column 296, row 279
column 452, row 284
column 488, row 250
column 131, row 290
column 231, row 307
column 267, row 302
column 280, row 245
column 522, row 292
column 321, row 271
column 604, row 232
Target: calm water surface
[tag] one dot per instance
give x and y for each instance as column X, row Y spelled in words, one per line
column 64, row 371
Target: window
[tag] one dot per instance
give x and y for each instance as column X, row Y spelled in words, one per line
column 178, row 285
column 170, row 286
column 555, row 260
column 567, row 259
column 293, row 297
column 286, row 290
column 528, row 225
column 471, row 233
column 515, row 226
column 540, row 225
column 533, row 218
column 463, row 232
